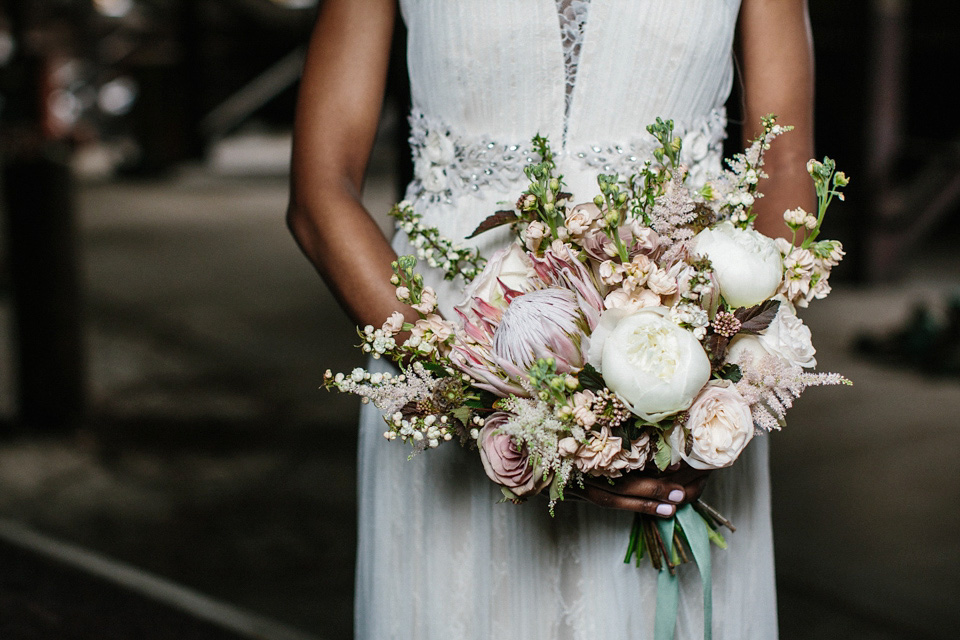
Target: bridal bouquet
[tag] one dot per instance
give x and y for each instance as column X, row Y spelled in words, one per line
column 648, row 326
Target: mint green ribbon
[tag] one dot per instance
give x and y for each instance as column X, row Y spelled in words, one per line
column 694, row 529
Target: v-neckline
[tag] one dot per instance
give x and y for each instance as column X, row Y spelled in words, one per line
column 571, row 50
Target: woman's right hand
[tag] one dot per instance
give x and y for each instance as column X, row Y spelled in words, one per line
column 641, row 492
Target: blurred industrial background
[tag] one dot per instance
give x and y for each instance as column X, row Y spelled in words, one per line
column 163, row 468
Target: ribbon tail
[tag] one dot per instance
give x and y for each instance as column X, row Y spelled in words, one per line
column 668, row 588
column 694, row 529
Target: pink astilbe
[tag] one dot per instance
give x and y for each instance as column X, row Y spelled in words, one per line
column 674, row 211
column 770, row 385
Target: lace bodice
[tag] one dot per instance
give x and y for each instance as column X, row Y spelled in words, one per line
column 590, row 74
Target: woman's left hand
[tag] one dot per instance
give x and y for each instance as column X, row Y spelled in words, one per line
column 627, row 489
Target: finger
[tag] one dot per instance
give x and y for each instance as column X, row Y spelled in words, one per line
column 693, row 490
column 657, row 489
column 687, row 475
column 609, row 500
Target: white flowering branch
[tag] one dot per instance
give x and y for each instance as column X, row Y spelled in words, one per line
column 438, row 252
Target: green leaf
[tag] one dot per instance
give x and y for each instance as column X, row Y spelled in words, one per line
column 664, row 454
column 590, row 378
column 437, row 369
column 462, row 414
column 730, row 372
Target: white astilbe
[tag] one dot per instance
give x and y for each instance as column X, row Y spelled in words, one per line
column 534, row 424
column 388, row 392
column 674, row 210
column 734, row 191
column 771, row 384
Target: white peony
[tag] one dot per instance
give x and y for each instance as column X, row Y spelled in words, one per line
column 747, row 263
column 654, row 366
column 510, row 266
column 718, row 428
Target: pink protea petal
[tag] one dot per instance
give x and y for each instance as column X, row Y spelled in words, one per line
column 486, row 311
column 472, row 330
column 509, row 294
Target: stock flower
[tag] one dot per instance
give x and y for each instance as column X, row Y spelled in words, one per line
column 798, row 271
column 654, row 366
column 394, row 323
column 718, row 428
column 633, row 301
column 533, row 235
column 747, row 263
column 604, row 454
column 505, row 463
column 660, row 282
column 432, row 329
column 428, row 301
column 581, row 218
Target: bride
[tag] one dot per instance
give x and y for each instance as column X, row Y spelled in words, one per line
column 438, row 557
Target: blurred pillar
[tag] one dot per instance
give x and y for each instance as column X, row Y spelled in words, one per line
column 398, row 87
column 885, row 132
column 42, row 252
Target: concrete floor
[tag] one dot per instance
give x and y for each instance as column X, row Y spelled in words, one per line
column 205, row 461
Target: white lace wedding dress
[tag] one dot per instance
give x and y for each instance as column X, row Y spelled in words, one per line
column 438, row 557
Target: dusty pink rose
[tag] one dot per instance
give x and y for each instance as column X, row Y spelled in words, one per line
column 719, row 426
column 637, row 238
column 505, row 463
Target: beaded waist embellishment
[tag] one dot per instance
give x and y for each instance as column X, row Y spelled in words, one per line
column 448, row 165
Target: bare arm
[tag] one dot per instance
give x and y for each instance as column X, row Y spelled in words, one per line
column 777, row 53
column 338, row 110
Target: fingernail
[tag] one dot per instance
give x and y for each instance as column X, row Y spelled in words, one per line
column 665, row 509
column 675, row 496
